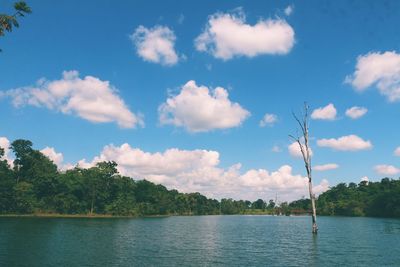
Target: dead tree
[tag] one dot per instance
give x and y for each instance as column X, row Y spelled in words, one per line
column 305, row 152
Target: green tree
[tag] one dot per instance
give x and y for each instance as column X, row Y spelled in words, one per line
column 25, row 200
column 7, row 183
column 99, row 181
column 7, row 22
column 259, row 204
column 70, row 193
column 377, row 199
column 123, row 201
column 21, row 148
column 35, row 185
column 271, row 204
column 32, row 166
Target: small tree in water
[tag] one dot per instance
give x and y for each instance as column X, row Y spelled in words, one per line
column 305, row 152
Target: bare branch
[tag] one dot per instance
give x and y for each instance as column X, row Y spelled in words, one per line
column 298, row 121
column 294, row 138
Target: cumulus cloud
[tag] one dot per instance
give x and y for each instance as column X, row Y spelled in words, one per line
column 378, row 69
column 322, row 187
column 268, row 119
column 199, row 171
column 156, row 44
column 50, row 152
column 397, row 151
column 89, row 98
column 289, row 10
column 356, row 112
column 346, row 143
column 326, row 167
column 389, row 170
column 227, row 35
column 199, row 109
column 324, row 113
column 294, row 150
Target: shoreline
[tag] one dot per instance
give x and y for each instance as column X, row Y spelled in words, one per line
column 107, row 216
column 56, row 215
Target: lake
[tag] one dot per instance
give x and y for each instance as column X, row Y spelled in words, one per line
column 199, row 241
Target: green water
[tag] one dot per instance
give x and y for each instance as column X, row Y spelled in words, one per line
column 199, row 241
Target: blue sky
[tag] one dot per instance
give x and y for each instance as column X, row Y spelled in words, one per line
column 330, row 40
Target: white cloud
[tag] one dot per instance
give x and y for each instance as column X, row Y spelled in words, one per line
column 389, row 170
column 324, row 113
column 276, row 149
column 156, row 44
column 356, row 112
column 326, row 167
column 379, row 69
column 295, row 151
column 81, row 164
column 397, row 151
column 268, row 119
column 5, row 144
column 199, row 171
column 227, row 35
column 50, row 152
column 289, row 10
column 345, row 143
column 322, row 187
column 199, row 109
column 89, row 98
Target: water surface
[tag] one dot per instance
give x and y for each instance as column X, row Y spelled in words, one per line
column 199, row 241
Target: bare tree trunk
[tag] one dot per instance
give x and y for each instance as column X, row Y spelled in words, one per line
column 92, row 202
column 91, row 208
column 305, row 152
column 314, row 211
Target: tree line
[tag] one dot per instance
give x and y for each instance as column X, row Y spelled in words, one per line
column 34, row 185
column 373, row 199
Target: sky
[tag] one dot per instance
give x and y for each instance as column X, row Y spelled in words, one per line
column 199, row 96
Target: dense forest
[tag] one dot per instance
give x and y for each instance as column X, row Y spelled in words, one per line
column 374, row 199
column 34, row 185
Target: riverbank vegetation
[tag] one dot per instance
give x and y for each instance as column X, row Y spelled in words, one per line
column 374, row 199
column 34, row 185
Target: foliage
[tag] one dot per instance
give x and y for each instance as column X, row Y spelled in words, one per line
column 7, row 22
column 34, row 185
column 375, row 199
